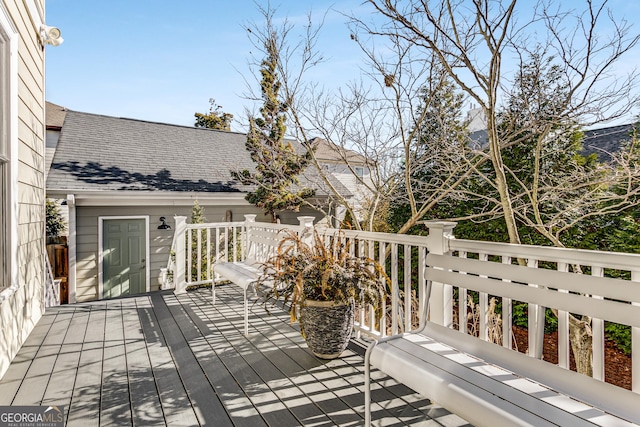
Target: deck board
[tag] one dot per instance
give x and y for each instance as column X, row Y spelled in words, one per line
column 63, row 375
column 85, row 399
column 172, row 394
column 17, row 372
column 161, row 359
column 114, row 404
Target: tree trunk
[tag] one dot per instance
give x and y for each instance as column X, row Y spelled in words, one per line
column 581, row 338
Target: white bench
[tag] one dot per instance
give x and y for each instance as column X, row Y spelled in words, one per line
column 262, row 241
column 491, row 385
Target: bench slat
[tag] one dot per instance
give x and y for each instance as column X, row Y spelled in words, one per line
column 614, row 311
column 606, row 287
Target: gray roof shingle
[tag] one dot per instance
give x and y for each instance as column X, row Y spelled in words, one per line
column 101, row 153
column 606, row 141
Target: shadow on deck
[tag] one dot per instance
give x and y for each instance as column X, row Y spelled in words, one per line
column 158, row 359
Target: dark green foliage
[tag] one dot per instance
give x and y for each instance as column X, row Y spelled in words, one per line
column 620, row 334
column 277, row 162
column 55, row 221
column 521, row 316
column 214, row 119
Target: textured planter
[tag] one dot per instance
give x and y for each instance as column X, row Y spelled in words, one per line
column 326, row 326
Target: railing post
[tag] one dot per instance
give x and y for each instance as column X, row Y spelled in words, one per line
column 441, row 300
column 635, row 346
column 306, row 228
column 249, row 250
column 179, row 237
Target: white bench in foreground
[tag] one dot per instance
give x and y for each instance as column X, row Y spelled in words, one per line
column 490, row 385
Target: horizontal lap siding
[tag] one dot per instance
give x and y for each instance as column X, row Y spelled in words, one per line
column 159, row 240
column 21, row 310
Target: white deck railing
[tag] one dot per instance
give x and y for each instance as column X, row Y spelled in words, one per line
column 199, row 246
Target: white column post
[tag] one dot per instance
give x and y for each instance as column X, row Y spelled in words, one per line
column 72, row 245
column 249, row 249
column 306, row 229
column 441, row 301
column 179, row 269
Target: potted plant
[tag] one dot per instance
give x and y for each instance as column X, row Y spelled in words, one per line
column 322, row 280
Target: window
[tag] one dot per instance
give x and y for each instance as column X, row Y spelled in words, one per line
column 8, row 93
column 359, row 171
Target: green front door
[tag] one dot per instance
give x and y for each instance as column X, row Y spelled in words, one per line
column 124, row 257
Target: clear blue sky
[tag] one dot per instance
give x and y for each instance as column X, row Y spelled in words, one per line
column 161, row 60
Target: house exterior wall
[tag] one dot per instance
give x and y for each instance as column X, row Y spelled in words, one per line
column 22, row 303
column 360, row 192
column 87, row 239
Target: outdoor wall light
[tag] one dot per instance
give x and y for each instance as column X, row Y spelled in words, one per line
column 51, row 35
column 164, row 225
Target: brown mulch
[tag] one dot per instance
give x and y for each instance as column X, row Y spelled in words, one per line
column 617, row 365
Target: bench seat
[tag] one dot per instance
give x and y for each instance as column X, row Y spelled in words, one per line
column 491, row 385
column 483, row 387
column 243, row 274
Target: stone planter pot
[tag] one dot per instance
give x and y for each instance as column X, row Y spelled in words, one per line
column 326, row 326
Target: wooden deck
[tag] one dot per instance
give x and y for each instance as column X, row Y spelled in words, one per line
column 158, row 359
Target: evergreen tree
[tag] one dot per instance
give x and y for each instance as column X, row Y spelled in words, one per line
column 55, row 222
column 440, row 142
column 277, row 163
column 215, row 119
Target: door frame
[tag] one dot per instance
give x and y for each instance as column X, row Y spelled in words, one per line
column 101, row 220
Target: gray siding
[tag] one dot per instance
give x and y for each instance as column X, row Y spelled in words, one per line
column 159, row 240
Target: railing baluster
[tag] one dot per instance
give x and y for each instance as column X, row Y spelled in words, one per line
column 408, row 306
column 483, row 303
column 189, row 274
column 372, row 318
column 394, row 289
column 361, row 316
column 218, row 244
column 208, row 239
column 235, row 243
column 535, row 336
column 199, row 253
column 507, row 314
column 226, row 244
column 422, row 284
column 462, row 302
column 381, row 260
column 563, row 327
column 597, row 329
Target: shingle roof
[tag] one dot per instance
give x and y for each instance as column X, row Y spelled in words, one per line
column 605, row 141
column 102, row 153
column 328, row 152
column 54, row 115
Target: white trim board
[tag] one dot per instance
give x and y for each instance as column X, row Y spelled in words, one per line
column 10, row 102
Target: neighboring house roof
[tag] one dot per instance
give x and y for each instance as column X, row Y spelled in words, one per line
column 54, row 116
column 606, row 141
column 102, row 153
column 603, row 141
column 331, row 153
column 54, row 119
